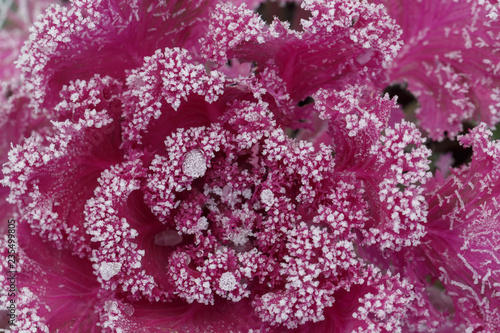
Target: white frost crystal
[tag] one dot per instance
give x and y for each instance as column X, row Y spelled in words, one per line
column 227, row 281
column 267, row 197
column 195, row 164
column 202, row 223
column 109, row 269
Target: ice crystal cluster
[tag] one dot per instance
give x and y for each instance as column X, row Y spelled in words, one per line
column 190, row 166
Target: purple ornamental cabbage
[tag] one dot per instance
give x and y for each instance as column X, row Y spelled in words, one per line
column 16, row 119
column 449, row 61
column 187, row 167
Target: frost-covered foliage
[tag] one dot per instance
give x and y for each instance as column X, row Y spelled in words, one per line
column 450, row 61
column 16, row 119
column 186, row 166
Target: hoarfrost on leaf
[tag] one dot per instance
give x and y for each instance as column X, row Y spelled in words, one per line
column 201, row 155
